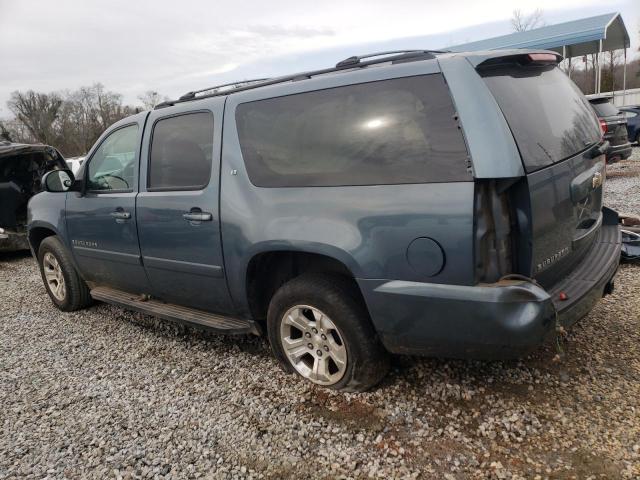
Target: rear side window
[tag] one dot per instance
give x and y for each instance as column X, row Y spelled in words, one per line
column 181, row 152
column 605, row 109
column 549, row 117
column 386, row 132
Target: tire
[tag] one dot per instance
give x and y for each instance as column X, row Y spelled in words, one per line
column 312, row 305
column 75, row 293
column 638, row 138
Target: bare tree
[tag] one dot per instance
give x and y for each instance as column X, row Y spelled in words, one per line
column 521, row 22
column 150, row 99
column 611, row 61
column 38, row 112
column 568, row 67
column 14, row 130
column 592, row 59
column 5, row 133
column 71, row 121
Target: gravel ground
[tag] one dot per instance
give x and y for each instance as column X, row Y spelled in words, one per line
column 105, row 393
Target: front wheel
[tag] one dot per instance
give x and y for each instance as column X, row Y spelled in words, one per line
column 319, row 329
column 65, row 287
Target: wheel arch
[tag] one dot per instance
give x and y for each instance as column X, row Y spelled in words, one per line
column 269, row 269
column 38, row 231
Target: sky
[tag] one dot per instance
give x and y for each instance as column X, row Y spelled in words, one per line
column 176, row 46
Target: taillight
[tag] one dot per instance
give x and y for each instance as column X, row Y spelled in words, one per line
column 603, row 126
column 493, row 242
column 543, row 57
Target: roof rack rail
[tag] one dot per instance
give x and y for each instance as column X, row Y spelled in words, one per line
column 216, row 88
column 395, row 56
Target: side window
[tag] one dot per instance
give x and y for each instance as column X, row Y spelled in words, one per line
column 181, row 152
column 630, row 114
column 112, row 166
column 385, row 132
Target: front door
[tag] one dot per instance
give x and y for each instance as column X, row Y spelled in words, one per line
column 101, row 221
column 177, row 209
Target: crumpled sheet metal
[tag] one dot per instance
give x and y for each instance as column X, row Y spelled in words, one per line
column 630, row 251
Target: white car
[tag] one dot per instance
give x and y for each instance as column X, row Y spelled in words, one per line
column 74, row 164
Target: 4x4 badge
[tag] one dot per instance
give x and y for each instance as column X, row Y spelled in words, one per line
column 596, row 181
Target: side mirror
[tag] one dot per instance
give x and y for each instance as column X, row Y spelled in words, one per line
column 57, row 181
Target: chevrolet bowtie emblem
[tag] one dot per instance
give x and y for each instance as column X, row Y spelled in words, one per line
column 596, row 181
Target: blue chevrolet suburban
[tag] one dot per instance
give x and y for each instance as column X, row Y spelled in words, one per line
column 413, row 202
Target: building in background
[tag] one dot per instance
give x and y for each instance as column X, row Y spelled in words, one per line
column 577, row 39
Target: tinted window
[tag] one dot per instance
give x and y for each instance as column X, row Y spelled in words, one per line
column 181, row 152
column 112, row 166
column 392, row 131
column 550, row 118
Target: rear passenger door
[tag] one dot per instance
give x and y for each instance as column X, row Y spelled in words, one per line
column 177, row 208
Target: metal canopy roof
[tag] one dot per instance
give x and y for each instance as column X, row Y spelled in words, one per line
column 572, row 39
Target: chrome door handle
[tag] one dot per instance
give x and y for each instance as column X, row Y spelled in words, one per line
column 118, row 215
column 197, row 217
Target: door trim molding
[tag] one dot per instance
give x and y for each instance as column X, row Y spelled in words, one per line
column 183, row 267
column 110, row 255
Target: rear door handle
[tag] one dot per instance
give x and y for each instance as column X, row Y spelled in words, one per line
column 121, row 215
column 197, row 216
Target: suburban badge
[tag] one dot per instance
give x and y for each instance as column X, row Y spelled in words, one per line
column 552, row 259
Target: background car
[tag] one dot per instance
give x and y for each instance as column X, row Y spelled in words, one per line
column 21, row 169
column 75, row 163
column 614, row 126
column 632, row 115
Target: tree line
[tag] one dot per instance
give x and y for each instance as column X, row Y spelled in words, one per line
column 583, row 71
column 71, row 121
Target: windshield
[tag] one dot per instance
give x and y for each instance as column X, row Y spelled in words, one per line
column 604, row 108
column 549, row 117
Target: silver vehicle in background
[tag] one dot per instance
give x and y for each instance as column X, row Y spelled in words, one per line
column 75, row 163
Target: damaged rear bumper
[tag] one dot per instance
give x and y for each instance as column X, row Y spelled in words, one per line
column 505, row 319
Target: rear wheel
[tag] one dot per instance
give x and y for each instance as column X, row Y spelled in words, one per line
column 319, row 329
column 66, row 289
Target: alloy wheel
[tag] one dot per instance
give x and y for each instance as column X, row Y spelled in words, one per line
column 313, row 345
column 54, row 277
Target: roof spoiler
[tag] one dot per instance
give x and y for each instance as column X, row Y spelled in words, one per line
column 523, row 58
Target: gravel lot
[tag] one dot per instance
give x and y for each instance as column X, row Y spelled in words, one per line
column 108, row 393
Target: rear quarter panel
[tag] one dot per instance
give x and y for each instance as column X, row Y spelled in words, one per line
column 367, row 228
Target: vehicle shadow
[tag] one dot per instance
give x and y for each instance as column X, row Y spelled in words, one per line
column 9, row 257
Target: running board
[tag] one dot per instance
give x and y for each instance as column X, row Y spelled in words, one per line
column 168, row 311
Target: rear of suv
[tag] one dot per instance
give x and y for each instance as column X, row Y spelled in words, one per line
column 414, row 202
column 614, row 126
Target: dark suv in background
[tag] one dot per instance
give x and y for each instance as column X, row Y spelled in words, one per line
column 409, row 202
column 632, row 114
column 614, row 127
